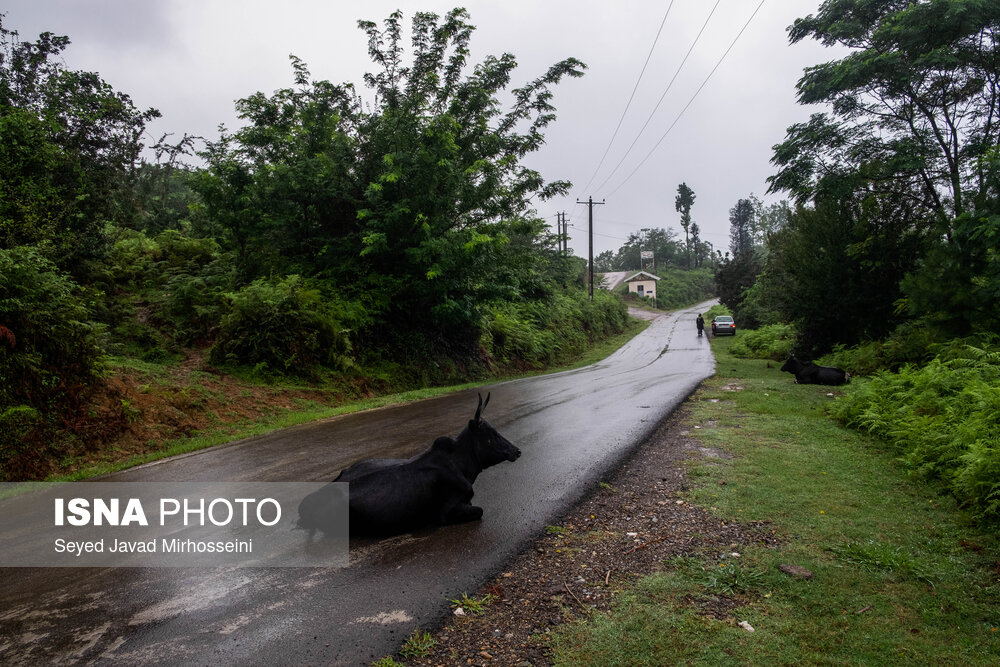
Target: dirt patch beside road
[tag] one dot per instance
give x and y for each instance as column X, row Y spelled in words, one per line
column 625, row 529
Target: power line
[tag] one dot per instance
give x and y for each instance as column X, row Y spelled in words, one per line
column 691, row 101
column 607, row 236
column 631, row 97
column 663, row 96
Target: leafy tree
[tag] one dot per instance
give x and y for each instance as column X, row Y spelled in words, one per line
column 906, row 151
column 68, row 147
column 165, row 191
column 416, row 206
column 605, row 261
column 683, row 203
column 915, row 100
column 741, row 224
column 768, row 220
column 835, row 266
column 737, row 274
column 696, row 244
column 666, row 251
column 733, row 277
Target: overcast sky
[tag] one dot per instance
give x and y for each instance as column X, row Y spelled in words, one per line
column 191, row 59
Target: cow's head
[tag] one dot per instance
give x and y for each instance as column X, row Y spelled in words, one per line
column 489, row 447
column 793, row 365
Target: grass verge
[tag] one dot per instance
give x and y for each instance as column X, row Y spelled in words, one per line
column 885, row 570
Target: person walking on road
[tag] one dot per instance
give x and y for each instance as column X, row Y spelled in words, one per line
column 700, row 322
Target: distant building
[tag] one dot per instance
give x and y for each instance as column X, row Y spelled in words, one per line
column 643, row 284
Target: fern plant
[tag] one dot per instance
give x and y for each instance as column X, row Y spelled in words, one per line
column 943, row 418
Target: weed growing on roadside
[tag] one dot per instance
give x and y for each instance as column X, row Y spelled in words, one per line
column 732, row 579
column 474, row 606
column 878, row 557
column 418, row 644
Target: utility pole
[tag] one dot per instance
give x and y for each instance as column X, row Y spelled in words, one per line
column 563, row 232
column 643, row 246
column 590, row 246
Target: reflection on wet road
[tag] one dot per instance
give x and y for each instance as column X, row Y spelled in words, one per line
column 571, row 427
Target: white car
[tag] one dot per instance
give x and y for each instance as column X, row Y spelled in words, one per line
column 723, row 325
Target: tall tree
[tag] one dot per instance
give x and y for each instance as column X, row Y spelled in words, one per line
column 69, row 145
column 913, row 124
column 743, row 263
column 683, row 203
column 916, row 99
column 696, row 245
column 418, row 205
column 741, row 228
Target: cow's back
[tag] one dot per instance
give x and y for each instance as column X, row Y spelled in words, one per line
column 362, row 468
column 404, row 497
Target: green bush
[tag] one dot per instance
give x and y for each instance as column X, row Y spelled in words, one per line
column 166, row 291
column 20, row 427
column 713, row 312
column 49, row 354
column 282, row 326
column 191, row 306
column 943, row 419
column 49, row 350
column 911, row 343
column 774, row 341
column 540, row 332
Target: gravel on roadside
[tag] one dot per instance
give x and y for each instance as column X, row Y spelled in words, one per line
column 626, row 527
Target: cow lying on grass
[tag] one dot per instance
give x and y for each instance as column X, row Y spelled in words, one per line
column 392, row 496
column 806, row 372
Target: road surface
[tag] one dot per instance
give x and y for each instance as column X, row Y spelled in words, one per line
column 571, row 426
column 613, row 279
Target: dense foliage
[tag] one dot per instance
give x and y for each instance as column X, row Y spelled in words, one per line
column 534, row 334
column 896, row 184
column 942, row 418
column 416, row 207
column 773, row 341
column 678, row 288
column 281, row 326
column 68, row 144
column 49, row 348
column 389, row 226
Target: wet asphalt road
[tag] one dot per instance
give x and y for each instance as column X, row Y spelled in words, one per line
column 571, row 427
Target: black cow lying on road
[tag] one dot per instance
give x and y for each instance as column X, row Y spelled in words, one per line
column 806, row 372
column 392, row 496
